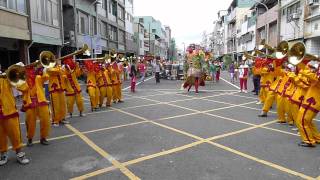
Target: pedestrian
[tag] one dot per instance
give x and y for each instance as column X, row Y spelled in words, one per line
column 231, row 71
column 256, row 80
column 213, row 70
column 243, row 76
column 218, row 69
column 157, row 71
column 142, row 70
column 133, row 75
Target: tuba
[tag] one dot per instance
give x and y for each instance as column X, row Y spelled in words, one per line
column 247, row 56
column 264, row 45
column 297, row 54
column 48, row 60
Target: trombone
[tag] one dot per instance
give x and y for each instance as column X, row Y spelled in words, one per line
column 48, row 60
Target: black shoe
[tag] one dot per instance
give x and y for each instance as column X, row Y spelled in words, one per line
column 44, row 142
column 70, row 115
column 253, row 91
column 281, row 122
column 263, row 115
column 120, row 101
column 81, row 114
column 304, row 144
column 29, row 143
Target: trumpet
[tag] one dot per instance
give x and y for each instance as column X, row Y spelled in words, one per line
column 247, row 56
column 297, row 54
column 48, row 60
column 264, row 45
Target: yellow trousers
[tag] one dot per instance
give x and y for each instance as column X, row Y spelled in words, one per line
column 10, row 128
column 271, row 96
column 42, row 112
column 263, row 94
column 288, row 110
column 58, row 106
column 307, row 128
column 109, row 95
column 117, row 92
column 78, row 99
column 281, row 108
column 294, row 110
column 94, row 96
column 103, row 95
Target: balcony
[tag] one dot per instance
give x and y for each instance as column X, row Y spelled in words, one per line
column 313, row 3
column 268, row 17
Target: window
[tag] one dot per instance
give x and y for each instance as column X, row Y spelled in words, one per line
column 113, row 33
column 45, row 11
column 153, row 30
column 141, row 20
column 16, row 5
column 121, row 13
column 114, row 8
column 121, row 38
column 103, row 29
column 83, row 26
column 93, row 29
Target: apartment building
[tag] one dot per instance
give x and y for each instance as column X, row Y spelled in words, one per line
column 311, row 26
column 236, row 13
column 247, row 40
column 130, row 49
column 46, row 27
column 139, row 38
column 14, row 32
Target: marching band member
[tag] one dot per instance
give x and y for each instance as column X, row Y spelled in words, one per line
column 92, row 88
column 309, row 108
column 267, row 77
column 116, row 81
column 56, row 90
column 102, row 84
column 107, row 75
column 35, row 105
column 73, row 90
column 9, row 125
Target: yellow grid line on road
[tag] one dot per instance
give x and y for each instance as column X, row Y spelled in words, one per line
column 103, row 153
column 166, row 152
column 185, row 133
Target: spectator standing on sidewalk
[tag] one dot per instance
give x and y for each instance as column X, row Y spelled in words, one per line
column 133, row 75
column 218, row 67
column 243, row 76
column 142, row 70
column 157, row 68
column 213, row 70
column 231, row 71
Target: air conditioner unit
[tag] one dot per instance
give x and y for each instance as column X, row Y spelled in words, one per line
column 295, row 16
column 313, row 2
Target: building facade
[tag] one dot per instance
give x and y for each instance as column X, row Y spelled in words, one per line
column 139, row 38
column 14, row 32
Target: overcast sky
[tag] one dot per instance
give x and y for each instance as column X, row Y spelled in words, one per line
column 188, row 19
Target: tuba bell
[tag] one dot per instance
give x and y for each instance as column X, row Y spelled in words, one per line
column 47, row 59
column 297, row 54
column 264, row 45
column 16, row 75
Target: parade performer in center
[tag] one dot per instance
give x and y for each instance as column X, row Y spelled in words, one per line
column 197, row 69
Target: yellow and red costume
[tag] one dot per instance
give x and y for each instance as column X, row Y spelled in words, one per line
column 9, row 118
column 309, row 109
column 116, row 82
column 73, row 89
column 267, row 77
column 92, row 87
column 35, row 104
column 56, row 90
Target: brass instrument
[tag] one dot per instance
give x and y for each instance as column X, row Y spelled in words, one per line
column 264, row 45
column 247, row 56
column 282, row 50
column 297, row 54
column 16, row 74
column 48, row 60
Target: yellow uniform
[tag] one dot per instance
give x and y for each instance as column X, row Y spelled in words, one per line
column 116, row 82
column 102, row 84
column 309, row 109
column 73, row 90
column 56, row 90
column 281, row 99
column 35, row 105
column 93, row 90
column 9, row 118
column 267, row 77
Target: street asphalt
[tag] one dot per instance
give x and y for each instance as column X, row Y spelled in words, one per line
column 164, row 133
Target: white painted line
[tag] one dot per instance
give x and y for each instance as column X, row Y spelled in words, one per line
column 230, row 83
column 138, row 83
